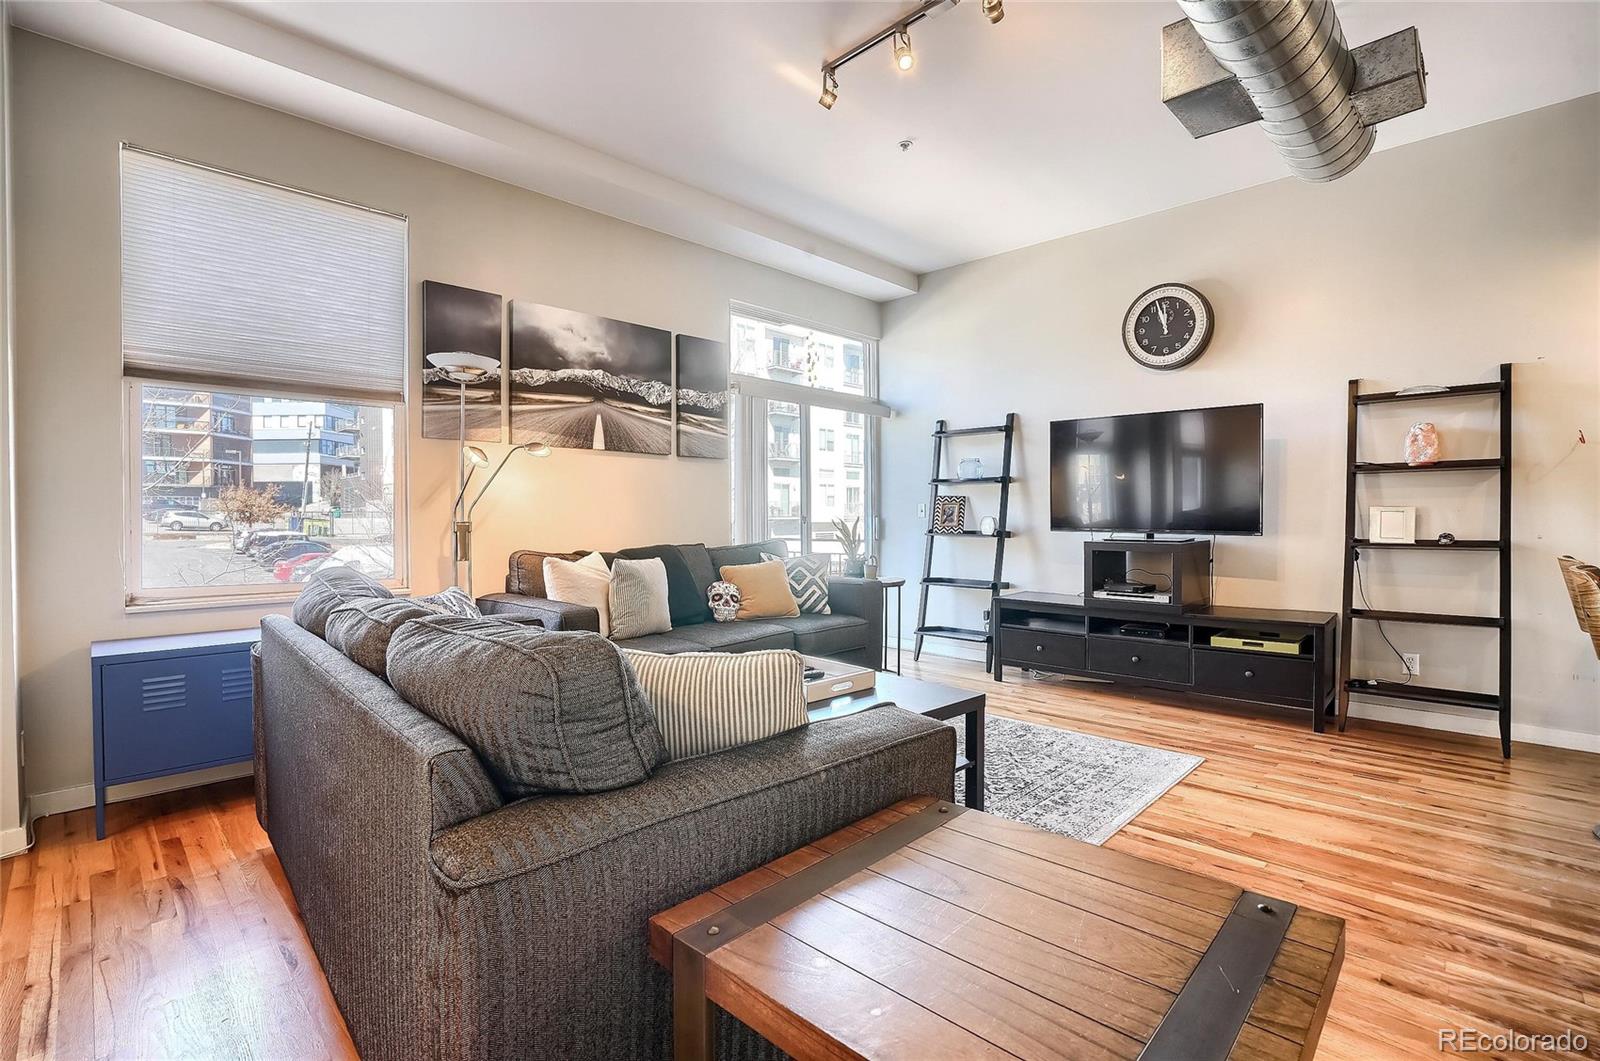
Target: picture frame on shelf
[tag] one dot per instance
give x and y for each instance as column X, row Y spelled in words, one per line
column 949, row 514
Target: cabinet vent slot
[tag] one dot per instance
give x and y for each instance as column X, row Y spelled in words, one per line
column 237, row 684
column 164, row 692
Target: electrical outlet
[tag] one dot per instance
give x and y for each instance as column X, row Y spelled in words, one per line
column 922, row 510
column 1413, row 661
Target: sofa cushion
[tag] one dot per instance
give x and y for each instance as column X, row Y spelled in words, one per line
column 526, row 573
column 451, row 601
column 697, row 558
column 710, row 701
column 329, row 588
column 661, row 643
column 684, row 593
column 763, row 590
column 638, row 598
column 546, row 712
column 827, row 635
column 739, row 555
column 586, row 582
column 736, row 637
column 362, row 628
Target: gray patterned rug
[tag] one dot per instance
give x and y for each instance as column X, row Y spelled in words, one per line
column 1072, row 783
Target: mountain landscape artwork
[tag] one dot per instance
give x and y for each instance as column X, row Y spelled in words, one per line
column 702, row 398
column 584, row 382
column 459, row 319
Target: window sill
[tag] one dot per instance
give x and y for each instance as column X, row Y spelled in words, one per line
column 148, row 606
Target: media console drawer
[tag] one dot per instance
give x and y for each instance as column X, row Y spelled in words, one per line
column 1041, row 648
column 1157, row 660
column 1286, row 679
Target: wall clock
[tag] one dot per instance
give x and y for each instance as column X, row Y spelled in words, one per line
column 1168, row 326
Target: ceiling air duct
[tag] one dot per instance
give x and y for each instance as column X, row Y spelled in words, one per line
column 1285, row 64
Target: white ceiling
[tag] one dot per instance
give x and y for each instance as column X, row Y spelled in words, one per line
column 1046, row 124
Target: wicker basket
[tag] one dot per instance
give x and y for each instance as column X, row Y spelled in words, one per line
column 1583, row 584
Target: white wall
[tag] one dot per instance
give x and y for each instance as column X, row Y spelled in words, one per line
column 1433, row 262
column 71, row 108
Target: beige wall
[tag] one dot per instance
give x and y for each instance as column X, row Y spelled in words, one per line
column 70, row 110
column 1432, row 263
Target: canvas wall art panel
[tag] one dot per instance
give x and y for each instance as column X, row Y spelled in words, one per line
column 459, row 319
column 584, row 382
column 703, row 398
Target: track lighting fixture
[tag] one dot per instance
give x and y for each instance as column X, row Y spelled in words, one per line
column 899, row 33
column 904, row 58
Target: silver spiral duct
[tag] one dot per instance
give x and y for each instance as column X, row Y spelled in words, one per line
column 1290, row 57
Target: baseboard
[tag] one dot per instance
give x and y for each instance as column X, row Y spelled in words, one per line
column 13, row 841
column 61, row 800
column 1472, row 725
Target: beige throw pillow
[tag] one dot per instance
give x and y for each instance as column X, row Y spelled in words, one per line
column 707, row 702
column 763, row 590
column 586, row 581
column 639, row 598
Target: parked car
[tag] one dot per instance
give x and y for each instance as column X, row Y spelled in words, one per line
column 179, row 520
column 265, row 539
column 284, row 570
column 374, row 560
column 273, row 554
column 154, row 511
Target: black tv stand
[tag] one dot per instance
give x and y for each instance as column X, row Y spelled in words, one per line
column 1068, row 634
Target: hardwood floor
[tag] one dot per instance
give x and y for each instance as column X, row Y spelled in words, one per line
column 1471, row 888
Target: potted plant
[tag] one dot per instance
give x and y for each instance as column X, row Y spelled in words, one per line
column 854, row 545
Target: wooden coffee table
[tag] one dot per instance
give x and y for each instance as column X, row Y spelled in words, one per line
column 928, row 930
column 942, row 702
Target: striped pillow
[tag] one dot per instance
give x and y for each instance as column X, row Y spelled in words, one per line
column 710, row 701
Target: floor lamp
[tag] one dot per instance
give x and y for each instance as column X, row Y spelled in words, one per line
column 462, row 367
column 464, row 527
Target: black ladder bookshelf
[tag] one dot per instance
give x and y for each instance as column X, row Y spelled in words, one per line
column 1500, row 700
column 993, row 585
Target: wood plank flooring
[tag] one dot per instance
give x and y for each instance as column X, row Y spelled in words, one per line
column 1471, row 888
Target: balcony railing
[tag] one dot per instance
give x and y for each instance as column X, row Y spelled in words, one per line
column 784, row 451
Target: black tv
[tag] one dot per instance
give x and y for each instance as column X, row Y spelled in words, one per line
column 1194, row 471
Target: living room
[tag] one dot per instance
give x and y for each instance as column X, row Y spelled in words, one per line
column 365, row 314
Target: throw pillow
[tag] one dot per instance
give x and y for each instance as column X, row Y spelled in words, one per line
column 808, row 581
column 684, row 595
column 763, row 590
column 546, row 712
column 362, row 628
column 452, row 601
column 639, row 598
column 329, row 588
column 710, row 701
column 724, row 600
column 586, row 581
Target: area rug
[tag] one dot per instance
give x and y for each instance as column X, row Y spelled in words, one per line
column 1072, row 783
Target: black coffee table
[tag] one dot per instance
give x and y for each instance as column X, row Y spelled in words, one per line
column 941, row 702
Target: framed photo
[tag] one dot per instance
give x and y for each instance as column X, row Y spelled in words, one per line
column 702, row 382
column 1392, row 524
column 460, row 320
column 949, row 515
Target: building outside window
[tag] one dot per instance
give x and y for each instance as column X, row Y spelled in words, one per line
column 294, row 394
column 791, row 411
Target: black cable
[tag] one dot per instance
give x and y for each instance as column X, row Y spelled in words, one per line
column 1367, row 604
column 1152, row 574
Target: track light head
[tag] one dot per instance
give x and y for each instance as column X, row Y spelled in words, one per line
column 994, row 10
column 904, row 58
column 830, row 89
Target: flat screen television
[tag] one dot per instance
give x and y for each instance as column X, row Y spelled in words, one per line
column 1194, row 471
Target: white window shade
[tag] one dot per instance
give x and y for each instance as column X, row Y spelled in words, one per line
column 235, row 281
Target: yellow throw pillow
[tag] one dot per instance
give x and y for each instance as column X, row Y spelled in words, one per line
column 763, row 590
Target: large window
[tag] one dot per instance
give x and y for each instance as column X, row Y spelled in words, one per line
column 807, row 415
column 264, row 346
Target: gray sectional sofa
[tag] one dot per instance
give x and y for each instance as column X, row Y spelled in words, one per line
column 853, row 632
column 453, row 922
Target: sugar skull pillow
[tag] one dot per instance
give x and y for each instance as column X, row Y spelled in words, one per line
column 724, row 600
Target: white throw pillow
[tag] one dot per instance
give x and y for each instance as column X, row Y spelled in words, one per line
column 586, row 581
column 710, row 701
column 639, row 598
